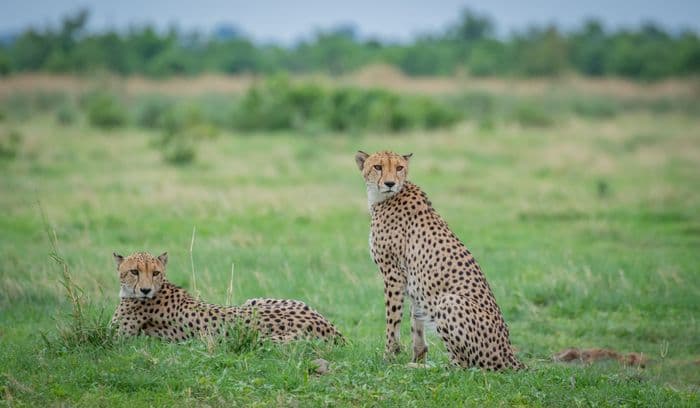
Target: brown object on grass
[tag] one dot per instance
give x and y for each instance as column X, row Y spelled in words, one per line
column 597, row 354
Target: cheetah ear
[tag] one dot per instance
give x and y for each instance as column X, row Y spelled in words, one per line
column 163, row 258
column 118, row 258
column 407, row 156
column 360, row 158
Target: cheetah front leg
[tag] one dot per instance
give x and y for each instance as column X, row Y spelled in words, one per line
column 394, row 289
column 420, row 348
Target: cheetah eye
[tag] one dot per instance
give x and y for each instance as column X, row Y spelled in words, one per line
column 134, row 271
column 156, row 273
column 378, row 167
column 399, row 168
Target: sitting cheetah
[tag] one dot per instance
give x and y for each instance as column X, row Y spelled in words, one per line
column 152, row 305
column 418, row 255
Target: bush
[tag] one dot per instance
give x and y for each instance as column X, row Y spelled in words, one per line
column 350, row 108
column 66, row 115
column 216, row 109
column 487, row 58
column 5, row 64
column 482, row 107
column 437, row 115
column 10, row 143
column 597, row 108
column 105, row 110
column 151, row 111
column 183, row 127
column 531, row 114
column 178, row 149
column 280, row 104
column 188, row 119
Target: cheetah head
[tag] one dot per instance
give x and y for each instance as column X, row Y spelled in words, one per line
column 141, row 275
column 384, row 172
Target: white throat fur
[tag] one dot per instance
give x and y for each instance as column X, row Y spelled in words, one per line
column 375, row 196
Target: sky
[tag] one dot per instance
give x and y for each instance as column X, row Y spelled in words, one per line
column 288, row 20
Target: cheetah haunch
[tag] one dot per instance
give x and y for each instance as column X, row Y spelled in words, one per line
column 419, row 256
column 151, row 305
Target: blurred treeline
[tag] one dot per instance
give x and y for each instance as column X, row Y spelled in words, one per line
column 469, row 45
column 179, row 124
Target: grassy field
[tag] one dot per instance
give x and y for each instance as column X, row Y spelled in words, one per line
column 588, row 231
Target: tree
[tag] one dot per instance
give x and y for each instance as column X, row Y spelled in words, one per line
column 471, row 27
column 589, row 48
column 540, row 52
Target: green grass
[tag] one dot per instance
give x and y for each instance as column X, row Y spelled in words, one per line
column 588, row 232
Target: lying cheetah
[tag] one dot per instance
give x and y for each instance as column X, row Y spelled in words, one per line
column 150, row 304
column 418, row 255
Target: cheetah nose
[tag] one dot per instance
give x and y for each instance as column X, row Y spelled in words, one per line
column 145, row 291
column 389, row 184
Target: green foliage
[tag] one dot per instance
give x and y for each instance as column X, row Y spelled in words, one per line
column 151, row 111
column 236, row 338
column 10, row 143
column 5, row 63
column 188, row 118
column 427, row 57
column 488, row 58
column 557, row 218
column 427, row 113
column 105, row 110
column 477, row 105
column 183, row 126
column 335, row 51
column 471, row 27
column 595, row 107
column 66, row 114
column 589, row 46
column 178, row 149
column 530, row 114
column 281, row 104
column 540, row 53
column 78, row 328
column 277, row 104
column 74, row 333
column 22, row 105
column 468, row 44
